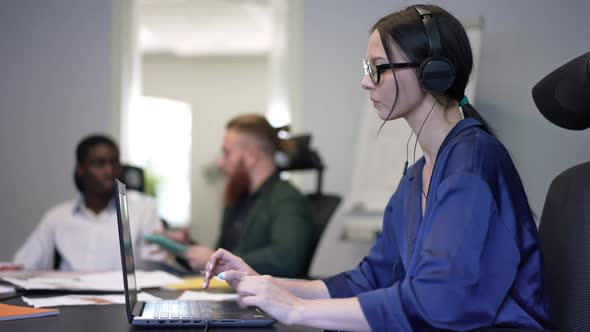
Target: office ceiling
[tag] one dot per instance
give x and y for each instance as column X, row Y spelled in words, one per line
column 205, row 27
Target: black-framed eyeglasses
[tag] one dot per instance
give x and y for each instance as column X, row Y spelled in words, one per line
column 374, row 71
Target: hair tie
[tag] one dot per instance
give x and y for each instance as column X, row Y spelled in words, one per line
column 464, row 101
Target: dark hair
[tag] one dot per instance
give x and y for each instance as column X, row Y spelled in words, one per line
column 406, row 29
column 257, row 126
column 83, row 149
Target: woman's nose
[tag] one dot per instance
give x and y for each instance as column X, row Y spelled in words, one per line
column 366, row 83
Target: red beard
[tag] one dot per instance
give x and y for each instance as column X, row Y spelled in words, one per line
column 237, row 186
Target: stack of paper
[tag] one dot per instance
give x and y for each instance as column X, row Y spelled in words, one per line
column 111, row 281
column 6, row 289
column 80, row 299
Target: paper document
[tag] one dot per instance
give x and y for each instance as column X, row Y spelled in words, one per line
column 111, row 281
column 197, row 283
column 6, row 289
column 207, row 296
column 81, row 299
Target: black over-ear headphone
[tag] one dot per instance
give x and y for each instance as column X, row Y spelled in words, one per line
column 436, row 73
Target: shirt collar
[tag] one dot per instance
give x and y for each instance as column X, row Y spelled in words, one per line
column 80, row 206
column 458, row 128
column 455, row 131
column 267, row 184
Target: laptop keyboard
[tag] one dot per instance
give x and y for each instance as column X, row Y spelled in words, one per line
column 175, row 309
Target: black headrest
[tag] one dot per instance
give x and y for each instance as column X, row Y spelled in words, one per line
column 303, row 156
column 563, row 96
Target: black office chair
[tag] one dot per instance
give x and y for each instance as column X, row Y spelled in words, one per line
column 565, row 239
column 323, row 205
column 133, row 177
column 563, row 97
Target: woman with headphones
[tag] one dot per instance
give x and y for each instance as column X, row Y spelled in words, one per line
column 459, row 248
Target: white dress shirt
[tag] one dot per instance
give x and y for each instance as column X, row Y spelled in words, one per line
column 89, row 241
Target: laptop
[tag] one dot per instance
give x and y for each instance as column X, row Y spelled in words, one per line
column 174, row 312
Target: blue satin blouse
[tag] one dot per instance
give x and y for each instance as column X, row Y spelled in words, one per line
column 473, row 260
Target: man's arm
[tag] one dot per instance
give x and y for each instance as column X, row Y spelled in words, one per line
column 37, row 253
column 150, row 224
column 288, row 251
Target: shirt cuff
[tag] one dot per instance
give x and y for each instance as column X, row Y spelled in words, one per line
column 338, row 286
column 380, row 310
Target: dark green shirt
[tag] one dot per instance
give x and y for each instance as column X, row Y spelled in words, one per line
column 271, row 229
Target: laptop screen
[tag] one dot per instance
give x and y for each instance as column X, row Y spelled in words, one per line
column 125, row 244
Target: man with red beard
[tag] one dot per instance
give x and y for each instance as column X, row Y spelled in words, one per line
column 265, row 219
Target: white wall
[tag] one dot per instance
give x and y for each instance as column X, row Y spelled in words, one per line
column 217, row 88
column 57, row 85
column 55, row 62
column 522, row 41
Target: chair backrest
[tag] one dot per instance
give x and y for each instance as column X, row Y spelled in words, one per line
column 323, row 207
column 133, row 177
column 304, row 157
column 564, row 234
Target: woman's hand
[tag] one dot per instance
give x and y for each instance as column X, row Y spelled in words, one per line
column 264, row 292
column 231, row 265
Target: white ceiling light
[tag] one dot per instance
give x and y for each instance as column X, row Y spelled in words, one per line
column 201, row 28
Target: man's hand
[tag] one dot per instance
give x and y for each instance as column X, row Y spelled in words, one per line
column 198, row 256
column 181, row 235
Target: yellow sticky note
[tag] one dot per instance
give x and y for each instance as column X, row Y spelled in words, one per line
column 197, row 283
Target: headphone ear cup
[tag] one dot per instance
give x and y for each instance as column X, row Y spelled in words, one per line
column 436, row 74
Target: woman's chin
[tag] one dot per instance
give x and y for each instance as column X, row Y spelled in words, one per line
column 386, row 115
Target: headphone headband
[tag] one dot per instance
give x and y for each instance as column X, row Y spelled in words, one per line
column 431, row 30
column 436, row 73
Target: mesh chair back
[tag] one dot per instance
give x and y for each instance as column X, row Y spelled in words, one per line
column 323, row 207
column 133, row 177
column 565, row 241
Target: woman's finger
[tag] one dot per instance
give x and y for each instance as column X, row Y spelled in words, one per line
column 210, row 267
column 231, row 276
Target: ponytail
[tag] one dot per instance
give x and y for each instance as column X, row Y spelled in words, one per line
column 470, row 112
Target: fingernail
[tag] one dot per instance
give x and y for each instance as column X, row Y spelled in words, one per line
column 221, row 276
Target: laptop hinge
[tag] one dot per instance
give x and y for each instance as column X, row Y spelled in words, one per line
column 138, row 308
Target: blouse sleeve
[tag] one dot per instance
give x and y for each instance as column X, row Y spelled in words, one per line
column 376, row 270
column 462, row 268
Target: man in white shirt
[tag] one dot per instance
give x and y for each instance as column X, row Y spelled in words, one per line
column 83, row 232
